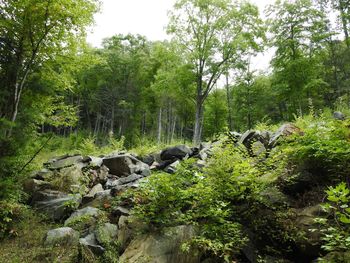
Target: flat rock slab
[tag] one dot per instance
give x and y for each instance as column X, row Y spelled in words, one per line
column 61, row 236
column 64, row 161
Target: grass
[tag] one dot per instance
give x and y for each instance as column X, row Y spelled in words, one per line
column 25, row 245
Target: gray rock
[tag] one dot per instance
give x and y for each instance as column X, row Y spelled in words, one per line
column 129, row 179
column 177, row 152
column 101, row 198
column 55, row 204
column 95, row 161
column 172, row 167
column 338, row 116
column 200, row 164
column 125, row 165
column 84, row 212
column 285, row 130
column 106, row 233
column 91, row 195
column 64, row 161
column 31, row 186
column 162, row 247
column 120, row 211
column 85, row 220
column 128, row 227
column 309, row 244
column 114, row 183
column 90, row 243
column 43, row 174
column 61, row 236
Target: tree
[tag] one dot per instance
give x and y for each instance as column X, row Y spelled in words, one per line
column 299, row 34
column 213, row 35
column 32, row 32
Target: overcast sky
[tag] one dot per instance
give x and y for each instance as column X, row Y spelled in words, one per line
column 144, row 17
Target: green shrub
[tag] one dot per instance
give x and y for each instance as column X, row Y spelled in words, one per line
column 336, row 229
column 206, row 199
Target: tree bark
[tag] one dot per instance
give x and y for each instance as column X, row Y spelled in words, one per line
column 159, row 133
column 198, row 121
column 229, row 104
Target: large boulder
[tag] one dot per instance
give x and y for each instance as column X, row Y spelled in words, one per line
column 177, row 152
column 85, row 220
column 161, row 247
column 55, row 204
column 125, row 165
column 61, row 236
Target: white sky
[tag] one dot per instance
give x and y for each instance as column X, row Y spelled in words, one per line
column 148, row 18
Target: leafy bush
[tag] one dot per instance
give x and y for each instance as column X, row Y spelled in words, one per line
column 336, row 229
column 206, row 199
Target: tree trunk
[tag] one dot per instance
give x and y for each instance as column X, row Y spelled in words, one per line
column 159, row 133
column 173, row 129
column 343, row 17
column 197, row 134
column 112, row 121
column 229, row 104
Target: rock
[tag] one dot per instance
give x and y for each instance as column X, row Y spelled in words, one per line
column 94, row 161
column 125, row 165
column 248, row 138
column 195, row 151
column 91, row 195
column 65, row 161
column 84, row 220
column 338, row 116
column 258, row 149
column 102, row 199
column 61, row 236
column 172, row 167
column 177, row 152
column 285, row 130
column 162, row 247
column 234, row 136
column 200, row 164
column 148, row 159
column 128, row 227
column 31, row 186
column 106, row 233
column 90, row 243
column 309, row 244
column 116, row 190
column 68, row 177
column 55, row 204
column 122, row 181
column 43, row 174
column 120, row 211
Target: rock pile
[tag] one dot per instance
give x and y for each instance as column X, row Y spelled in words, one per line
column 73, row 188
